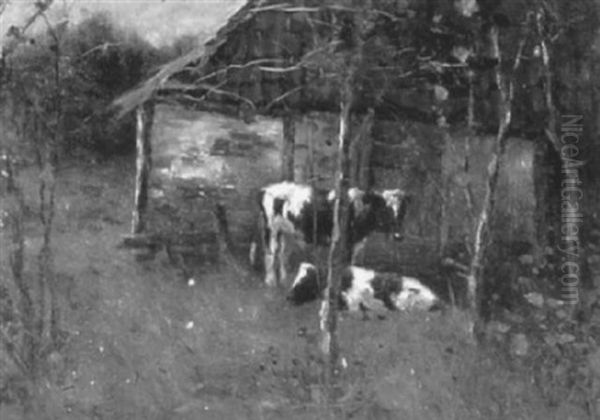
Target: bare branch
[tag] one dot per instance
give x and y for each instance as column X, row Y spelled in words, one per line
column 550, row 129
column 471, row 102
column 50, row 27
column 195, row 99
column 15, row 33
column 280, row 69
column 283, row 96
column 104, row 47
column 287, row 8
column 441, row 64
column 516, row 65
column 42, row 6
column 237, row 66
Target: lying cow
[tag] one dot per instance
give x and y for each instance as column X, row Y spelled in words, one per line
column 364, row 289
column 291, row 208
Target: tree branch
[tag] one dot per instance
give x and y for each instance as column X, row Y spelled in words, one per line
column 235, row 66
column 287, row 8
column 182, row 87
column 283, row 96
column 550, row 129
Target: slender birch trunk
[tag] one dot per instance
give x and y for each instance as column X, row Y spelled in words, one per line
column 506, row 89
column 339, row 255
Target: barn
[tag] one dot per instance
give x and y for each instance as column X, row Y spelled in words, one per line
column 219, row 123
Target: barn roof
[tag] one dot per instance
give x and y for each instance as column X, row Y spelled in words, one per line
column 252, row 65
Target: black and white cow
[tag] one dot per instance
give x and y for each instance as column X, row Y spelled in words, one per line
column 292, row 209
column 364, row 289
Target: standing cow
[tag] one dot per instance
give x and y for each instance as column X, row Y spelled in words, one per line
column 306, row 213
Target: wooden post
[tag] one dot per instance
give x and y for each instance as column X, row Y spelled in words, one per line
column 225, row 242
column 144, row 118
column 444, row 225
column 289, row 139
column 224, row 238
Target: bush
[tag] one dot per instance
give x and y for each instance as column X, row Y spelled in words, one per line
column 98, row 61
column 106, row 61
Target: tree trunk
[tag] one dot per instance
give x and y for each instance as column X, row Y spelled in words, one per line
column 444, row 226
column 14, row 206
column 289, row 139
column 546, row 179
column 312, row 178
column 47, row 307
column 339, row 254
column 144, row 114
column 475, row 278
column 365, row 176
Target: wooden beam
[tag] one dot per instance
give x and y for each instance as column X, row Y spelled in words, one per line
column 289, row 140
column 144, row 118
column 224, row 242
column 224, row 237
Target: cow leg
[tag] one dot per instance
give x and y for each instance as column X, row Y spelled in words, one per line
column 363, row 311
column 358, row 254
column 270, row 253
column 270, row 279
column 352, row 303
column 252, row 253
column 282, row 259
column 260, row 239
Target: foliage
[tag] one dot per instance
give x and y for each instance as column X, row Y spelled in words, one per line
column 106, row 62
column 98, row 62
column 53, row 91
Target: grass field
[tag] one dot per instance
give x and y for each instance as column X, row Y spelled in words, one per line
column 144, row 344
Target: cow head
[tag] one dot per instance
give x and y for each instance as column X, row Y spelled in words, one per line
column 306, row 286
column 390, row 215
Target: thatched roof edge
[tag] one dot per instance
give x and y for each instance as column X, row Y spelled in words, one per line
column 201, row 55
